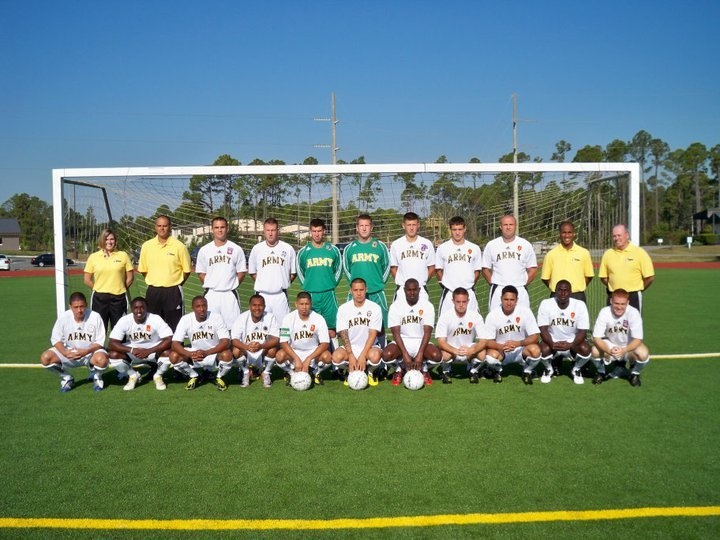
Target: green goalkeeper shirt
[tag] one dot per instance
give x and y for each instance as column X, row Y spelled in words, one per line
column 370, row 261
column 319, row 268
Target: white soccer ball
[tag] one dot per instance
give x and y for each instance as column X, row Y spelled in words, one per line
column 413, row 379
column 357, row 380
column 300, row 381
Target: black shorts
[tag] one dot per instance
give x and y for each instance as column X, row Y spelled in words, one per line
column 110, row 307
column 168, row 302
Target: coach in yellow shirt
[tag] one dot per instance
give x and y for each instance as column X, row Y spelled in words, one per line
column 626, row 266
column 568, row 261
column 165, row 263
column 109, row 273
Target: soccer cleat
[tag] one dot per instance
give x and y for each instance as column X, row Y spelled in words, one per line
column 497, row 378
column 286, row 378
column 191, row 384
column 382, row 374
column 446, row 377
column 577, row 377
column 220, row 384
column 98, row 384
column 132, row 381
column 527, row 377
column 318, row 379
column 474, row 377
column 599, row 378
column 546, row 376
column 267, row 380
column 345, row 380
column 372, row 379
column 159, row 383
column 634, row 379
column 244, row 379
column 427, row 378
column 67, row 384
column 397, row 377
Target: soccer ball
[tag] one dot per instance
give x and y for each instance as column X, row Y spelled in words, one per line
column 300, row 381
column 413, row 380
column 357, row 380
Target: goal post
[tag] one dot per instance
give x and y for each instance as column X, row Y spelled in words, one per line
column 595, row 196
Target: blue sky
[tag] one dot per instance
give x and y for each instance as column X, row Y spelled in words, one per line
column 157, row 83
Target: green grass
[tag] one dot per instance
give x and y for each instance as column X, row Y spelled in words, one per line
column 331, row 453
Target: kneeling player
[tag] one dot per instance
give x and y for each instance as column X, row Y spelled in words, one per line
column 563, row 323
column 358, row 323
column 457, row 334
column 255, row 339
column 209, row 345
column 411, row 321
column 617, row 337
column 304, row 340
column 77, row 340
column 140, row 338
column 512, row 334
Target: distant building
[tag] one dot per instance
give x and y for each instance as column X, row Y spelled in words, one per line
column 9, row 235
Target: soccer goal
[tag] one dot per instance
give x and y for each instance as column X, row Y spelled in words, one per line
column 595, row 196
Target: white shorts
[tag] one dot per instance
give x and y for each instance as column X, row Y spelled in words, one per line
column 209, row 362
column 225, row 303
column 276, row 303
column 80, row 362
column 514, row 356
column 135, row 361
column 357, row 351
column 252, row 359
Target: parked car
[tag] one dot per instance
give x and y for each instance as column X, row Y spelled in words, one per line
column 4, row 262
column 48, row 259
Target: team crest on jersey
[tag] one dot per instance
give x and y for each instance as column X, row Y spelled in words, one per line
column 265, row 328
column 423, row 247
column 420, row 312
column 148, row 328
column 626, row 323
column 470, row 324
column 517, row 320
column 519, row 248
column 469, row 251
column 572, row 314
column 312, row 327
column 374, row 244
column 229, row 251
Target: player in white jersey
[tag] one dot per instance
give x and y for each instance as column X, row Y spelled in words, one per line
column 209, row 345
column 77, row 340
column 411, row 321
column 457, row 334
column 509, row 260
column 255, row 338
column 271, row 265
column 512, row 335
column 563, row 323
column 304, row 340
column 358, row 323
column 412, row 256
column 618, row 337
column 221, row 267
column 140, row 338
column 458, row 263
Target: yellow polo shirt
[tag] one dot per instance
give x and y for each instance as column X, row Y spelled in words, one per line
column 626, row 268
column 573, row 264
column 165, row 265
column 109, row 272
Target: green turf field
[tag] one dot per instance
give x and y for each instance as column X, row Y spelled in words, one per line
column 330, row 453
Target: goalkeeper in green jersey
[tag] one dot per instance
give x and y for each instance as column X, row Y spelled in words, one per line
column 368, row 258
column 319, row 268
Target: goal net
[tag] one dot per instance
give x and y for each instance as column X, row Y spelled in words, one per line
column 594, row 196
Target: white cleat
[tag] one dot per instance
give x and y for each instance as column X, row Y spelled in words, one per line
column 132, row 381
column 159, row 383
column 577, row 378
column 546, row 376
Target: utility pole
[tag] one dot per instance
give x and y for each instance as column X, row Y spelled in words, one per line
column 333, row 151
column 516, row 206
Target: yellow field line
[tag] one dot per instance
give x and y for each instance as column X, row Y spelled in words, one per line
column 366, row 523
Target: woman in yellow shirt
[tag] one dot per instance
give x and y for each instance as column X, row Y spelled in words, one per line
column 109, row 273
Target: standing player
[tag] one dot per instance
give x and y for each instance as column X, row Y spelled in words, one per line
column 209, row 345
column 626, row 266
column 221, row 268
column 568, row 261
column 512, row 334
column 411, row 322
column 563, row 322
column 412, row 256
column 368, row 258
column 509, row 260
column 77, row 340
column 457, row 334
column 319, row 269
column 272, row 267
column 139, row 338
column 618, row 337
column 165, row 263
column 109, row 273
column 358, row 323
column 304, row 340
column 255, row 339
column 458, row 263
